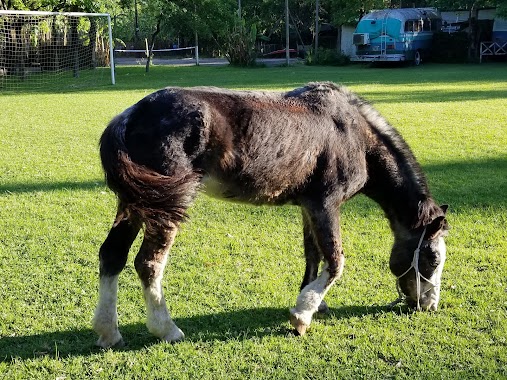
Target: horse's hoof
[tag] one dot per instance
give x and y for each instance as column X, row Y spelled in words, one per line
column 299, row 326
column 323, row 308
column 107, row 342
column 174, row 336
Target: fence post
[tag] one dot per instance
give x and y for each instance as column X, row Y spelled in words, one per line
column 196, row 49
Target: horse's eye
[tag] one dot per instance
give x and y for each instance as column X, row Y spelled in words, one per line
column 433, row 258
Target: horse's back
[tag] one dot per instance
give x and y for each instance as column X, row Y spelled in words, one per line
column 260, row 146
column 277, row 146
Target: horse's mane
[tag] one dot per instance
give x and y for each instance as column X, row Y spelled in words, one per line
column 427, row 209
column 320, row 96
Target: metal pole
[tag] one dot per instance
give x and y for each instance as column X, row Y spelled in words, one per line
column 317, row 6
column 287, row 40
column 111, row 51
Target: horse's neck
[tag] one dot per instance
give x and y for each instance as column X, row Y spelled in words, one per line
column 397, row 184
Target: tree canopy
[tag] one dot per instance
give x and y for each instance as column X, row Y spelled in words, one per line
column 214, row 20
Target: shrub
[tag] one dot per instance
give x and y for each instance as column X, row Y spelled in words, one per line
column 327, row 57
column 240, row 45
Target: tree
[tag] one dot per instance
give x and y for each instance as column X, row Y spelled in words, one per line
column 206, row 17
column 239, row 44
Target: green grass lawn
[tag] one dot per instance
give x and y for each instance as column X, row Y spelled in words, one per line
column 235, row 269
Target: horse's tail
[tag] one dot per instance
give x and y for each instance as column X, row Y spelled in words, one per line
column 144, row 194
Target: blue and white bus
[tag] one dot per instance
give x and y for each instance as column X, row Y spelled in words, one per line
column 395, row 35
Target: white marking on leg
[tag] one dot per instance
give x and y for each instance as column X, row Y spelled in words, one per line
column 159, row 321
column 105, row 321
column 311, row 297
column 434, row 293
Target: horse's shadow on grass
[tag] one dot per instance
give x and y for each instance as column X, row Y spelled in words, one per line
column 235, row 325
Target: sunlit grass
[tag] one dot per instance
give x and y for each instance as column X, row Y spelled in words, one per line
column 235, row 269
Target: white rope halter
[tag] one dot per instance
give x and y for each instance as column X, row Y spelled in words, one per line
column 414, row 265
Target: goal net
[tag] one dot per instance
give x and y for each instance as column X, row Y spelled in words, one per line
column 46, row 50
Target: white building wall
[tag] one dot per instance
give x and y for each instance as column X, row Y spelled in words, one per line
column 454, row 16
column 348, row 48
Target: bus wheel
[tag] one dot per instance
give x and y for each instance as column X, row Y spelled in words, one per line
column 417, row 58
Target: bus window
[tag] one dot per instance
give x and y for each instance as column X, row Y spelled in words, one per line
column 418, row 26
column 427, row 25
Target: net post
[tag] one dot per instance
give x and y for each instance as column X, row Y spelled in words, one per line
column 111, row 51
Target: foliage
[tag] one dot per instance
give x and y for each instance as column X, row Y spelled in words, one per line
column 465, row 4
column 182, row 21
column 327, row 57
column 205, row 17
column 343, row 12
column 213, row 20
column 269, row 16
column 502, row 8
column 239, row 45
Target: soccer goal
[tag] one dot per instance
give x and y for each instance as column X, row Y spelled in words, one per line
column 46, row 50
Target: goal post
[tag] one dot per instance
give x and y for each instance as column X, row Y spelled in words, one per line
column 55, row 49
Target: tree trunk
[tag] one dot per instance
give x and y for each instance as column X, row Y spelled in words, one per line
column 317, row 22
column 57, row 50
column 339, row 39
column 150, row 51
column 92, row 35
column 74, row 43
column 15, row 49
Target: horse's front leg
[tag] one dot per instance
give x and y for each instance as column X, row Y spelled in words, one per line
column 323, row 222
column 313, row 259
column 149, row 264
column 113, row 255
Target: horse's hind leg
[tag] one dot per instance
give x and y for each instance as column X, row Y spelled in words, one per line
column 149, row 264
column 324, row 225
column 313, row 259
column 113, row 256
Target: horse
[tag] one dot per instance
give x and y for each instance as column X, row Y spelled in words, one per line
column 314, row 147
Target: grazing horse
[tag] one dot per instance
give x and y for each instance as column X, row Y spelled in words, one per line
column 314, row 147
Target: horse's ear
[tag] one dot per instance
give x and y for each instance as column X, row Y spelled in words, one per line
column 444, row 208
column 436, row 226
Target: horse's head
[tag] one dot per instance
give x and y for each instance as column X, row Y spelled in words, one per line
column 418, row 261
